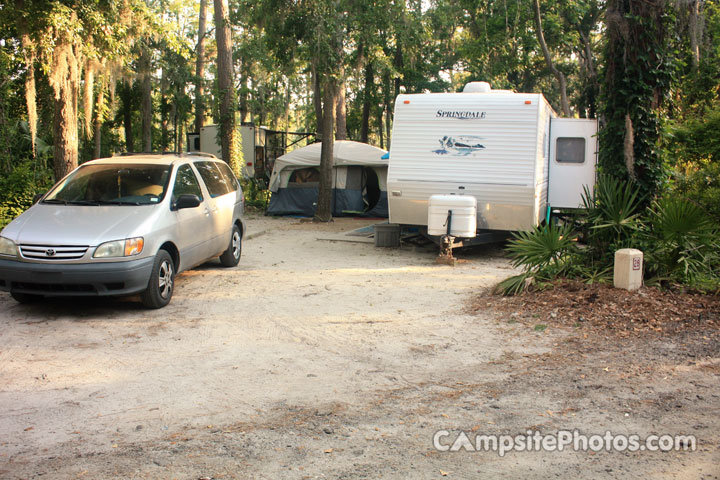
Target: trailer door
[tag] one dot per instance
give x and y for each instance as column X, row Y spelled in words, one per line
column 573, row 157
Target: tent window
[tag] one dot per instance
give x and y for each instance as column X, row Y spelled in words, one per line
column 303, row 176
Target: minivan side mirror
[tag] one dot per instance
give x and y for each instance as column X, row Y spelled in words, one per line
column 37, row 197
column 186, row 201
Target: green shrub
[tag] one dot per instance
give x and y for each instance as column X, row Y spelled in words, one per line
column 681, row 244
column 692, row 149
column 255, row 192
column 18, row 189
column 700, row 182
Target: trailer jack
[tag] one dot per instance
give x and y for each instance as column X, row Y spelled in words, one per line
column 446, row 257
column 446, row 243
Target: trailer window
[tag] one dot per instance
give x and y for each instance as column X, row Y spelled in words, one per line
column 570, row 150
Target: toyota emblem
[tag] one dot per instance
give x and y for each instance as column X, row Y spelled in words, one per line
column 50, row 252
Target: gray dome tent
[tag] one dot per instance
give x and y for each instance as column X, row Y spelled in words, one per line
column 359, row 181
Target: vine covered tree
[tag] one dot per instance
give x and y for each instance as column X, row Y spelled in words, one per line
column 638, row 65
column 229, row 140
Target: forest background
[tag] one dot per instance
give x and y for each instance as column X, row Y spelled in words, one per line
column 91, row 78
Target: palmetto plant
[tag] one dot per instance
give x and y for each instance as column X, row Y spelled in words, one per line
column 542, row 248
column 544, row 253
column 681, row 241
column 612, row 212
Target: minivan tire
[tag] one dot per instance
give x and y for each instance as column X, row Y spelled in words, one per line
column 21, row 297
column 162, row 282
column 231, row 256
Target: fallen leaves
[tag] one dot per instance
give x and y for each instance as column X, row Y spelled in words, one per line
column 602, row 307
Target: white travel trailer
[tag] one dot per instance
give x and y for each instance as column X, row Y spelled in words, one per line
column 252, row 139
column 507, row 150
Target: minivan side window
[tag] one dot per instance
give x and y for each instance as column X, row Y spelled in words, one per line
column 215, row 181
column 228, row 175
column 186, row 183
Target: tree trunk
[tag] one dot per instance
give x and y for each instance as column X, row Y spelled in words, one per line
column 65, row 129
column 164, row 107
column 324, row 205
column 226, row 88
column 317, row 98
column 367, row 97
column 341, row 113
column 261, row 101
column 592, row 86
column 200, row 69
column 243, row 97
column 559, row 76
column 639, row 39
column 99, row 116
column 98, row 140
column 381, row 132
column 388, row 109
column 287, row 110
column 126, row 95
column 29, row 55
column 694, row 27
column 146, row 99
column 173, row 117
column 399, row 65
column 629, row 147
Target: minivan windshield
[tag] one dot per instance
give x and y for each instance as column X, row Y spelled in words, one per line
column 112, row 184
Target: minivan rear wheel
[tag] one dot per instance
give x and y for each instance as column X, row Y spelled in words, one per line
column 162, row 282
column 231, row 256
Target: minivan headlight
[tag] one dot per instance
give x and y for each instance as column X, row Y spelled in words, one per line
column 8, row 247
column 120, row 248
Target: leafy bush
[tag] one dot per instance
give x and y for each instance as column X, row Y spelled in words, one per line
column 18, row 189
column 681, row 243
column 693, row 152
column 255, row 192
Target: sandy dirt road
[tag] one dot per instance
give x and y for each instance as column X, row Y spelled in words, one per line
column 324, row 359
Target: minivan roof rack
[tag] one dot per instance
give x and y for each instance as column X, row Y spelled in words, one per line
column 129, row 154
column 179, row 154
column 200, row 154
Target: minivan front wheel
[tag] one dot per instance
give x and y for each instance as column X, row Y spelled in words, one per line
column 21, row 297
column 231, row 256
column 162, row 281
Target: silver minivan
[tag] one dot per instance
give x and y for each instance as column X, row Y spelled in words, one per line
column 124, row 225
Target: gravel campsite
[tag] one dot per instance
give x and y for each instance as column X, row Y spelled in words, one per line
column 322, row 356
